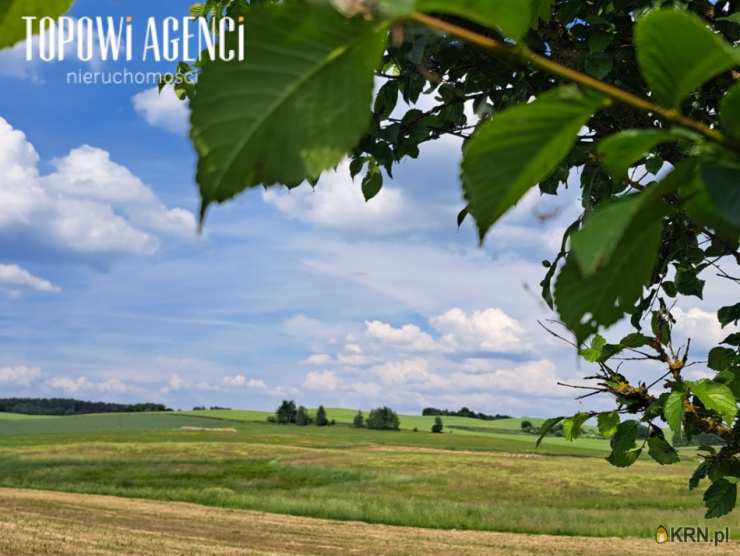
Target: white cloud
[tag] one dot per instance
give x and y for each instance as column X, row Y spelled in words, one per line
column 174, row 384
column 76, row 385
column 488, row 330
column 15, row 276
column 321, row 380
column 701, row 326
column 163, row 110
column 317, row 359
column 88, row 204
column 19, row 376
column 407, row 336
column 241, row 381
column 337, row 202
column 408, row 371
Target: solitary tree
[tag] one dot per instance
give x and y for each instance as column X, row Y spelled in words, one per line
column 437, row 426
column 359, row 421
column 321, row 419
column 637, row 107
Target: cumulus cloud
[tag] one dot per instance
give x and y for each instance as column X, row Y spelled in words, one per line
column 88, row 204
column 19, row 376
column 487, row 330
column 337, row 202
column 14, row 276
column 408, row 336
column 701, row 326
column 163, row 110
column 241, row 381
column 76, row 385
column 322, row 381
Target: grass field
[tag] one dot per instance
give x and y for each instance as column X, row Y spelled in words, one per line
column 493, row 481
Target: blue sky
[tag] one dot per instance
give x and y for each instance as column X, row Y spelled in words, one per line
column 107, row 292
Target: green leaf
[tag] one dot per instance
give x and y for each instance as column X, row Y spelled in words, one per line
column 293, row 108
column 673, row 410
column 721, row 181
column 729, row 314
column 461, row 216
column 593, row 353
column 634, row 340
column 729, row 115
column 608, row 423
column 605, row 229
column 661, row 451
column 512, row 17
column 699, row 473
column 372, row 182
column 621, row 151
column 547, row 427
column 688, row 283
column 13, row 27
column 720, row 498
column 720, row 358
column 624, row 459
column 715, row 397
column 572, row 427
column 521, row 146
column 625, row 437
column 678, row 53
column 386, row 99
column 613, row 284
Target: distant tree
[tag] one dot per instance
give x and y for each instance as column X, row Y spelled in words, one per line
column 286, row 413
column 383, row 418
column 302, row 418
column 359, row 421
column 64, row 406
column 437, row 426
column 321, row 419
column 527, row 426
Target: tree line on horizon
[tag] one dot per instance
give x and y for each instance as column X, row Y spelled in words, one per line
column 67, row 406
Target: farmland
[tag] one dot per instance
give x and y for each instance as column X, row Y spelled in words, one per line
column 484, row 481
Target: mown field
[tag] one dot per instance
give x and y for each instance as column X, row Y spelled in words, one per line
column 491, row 480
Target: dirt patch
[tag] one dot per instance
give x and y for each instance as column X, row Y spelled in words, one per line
column 41, row 523
column 208, row 429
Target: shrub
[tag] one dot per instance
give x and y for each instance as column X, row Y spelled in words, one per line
column 527, row 426
column 359, row 421
column 383, row 418
column 321, row 419
column 437, row 426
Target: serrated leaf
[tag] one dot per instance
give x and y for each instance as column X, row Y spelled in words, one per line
column 573, row 426
column 661, row 451
column 673, row 410
column 601, row 298
column 715, row 397
column 608, row 423
column 546, row 427
column 13, row 27
column 519, row 147
column 603, row 231
column 678, row 53
column 625, row 437
column 720, row 358
column 293, row 108
column 720, row 498
column 699, row 473
column 624, row 459
column 729, row 115
column 621, row 151
column 512, row 17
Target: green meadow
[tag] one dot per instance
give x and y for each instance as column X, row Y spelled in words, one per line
column 488, row 476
